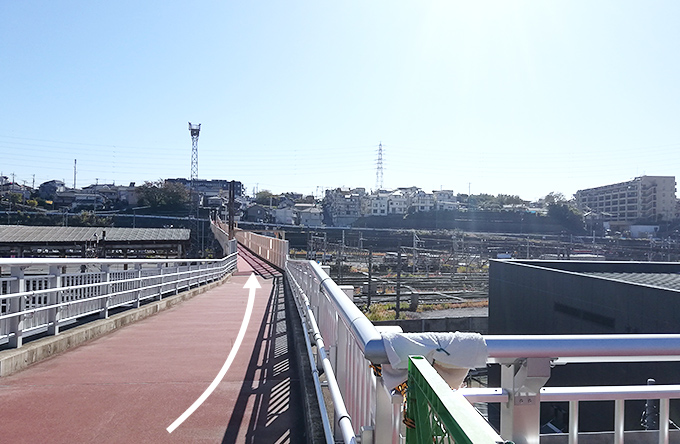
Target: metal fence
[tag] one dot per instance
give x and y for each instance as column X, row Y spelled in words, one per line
column 349, row 350
column 273, row 250
column 42, row 295
column 352, row 345
column 435, row 413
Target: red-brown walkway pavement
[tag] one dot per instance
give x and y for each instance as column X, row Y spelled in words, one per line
column 130, row 385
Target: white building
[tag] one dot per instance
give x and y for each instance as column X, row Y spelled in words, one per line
column 379, row 203
column 649, row 198
column 397, row 203
column 423, row 201
column 311, row 217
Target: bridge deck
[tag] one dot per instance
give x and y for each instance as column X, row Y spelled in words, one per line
column 130, row 385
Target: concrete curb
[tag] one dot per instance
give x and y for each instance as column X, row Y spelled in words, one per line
column 15, row 360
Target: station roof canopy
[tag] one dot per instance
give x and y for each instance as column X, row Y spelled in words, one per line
column 22, row 234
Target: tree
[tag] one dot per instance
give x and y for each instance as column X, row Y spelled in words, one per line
column 553, row 198
column 265, row 197
column 507, row 199
column 16, row 198
column 567, row 216
column 162, row 195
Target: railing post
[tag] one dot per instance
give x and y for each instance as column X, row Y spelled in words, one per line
column 104, row 302
column 341, row 371
column 17, row 305
column 162, row 281
column 53, row 299
column 664, row 410
column 573, row 422
column 177, row 276
column 619, row 420
column 386, row 428
column 520, row 416
column 387, row 406
column 138, row 275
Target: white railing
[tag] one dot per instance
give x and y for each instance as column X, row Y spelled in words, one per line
column 348, row 345
column 273, row 250
column 38, row 295
column 351, row 343
column 526, row 363
column 221, row 233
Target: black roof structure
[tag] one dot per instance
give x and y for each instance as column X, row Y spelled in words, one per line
column 20, row 240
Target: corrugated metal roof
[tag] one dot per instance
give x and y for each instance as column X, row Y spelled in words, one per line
column 29, row 234
column 670, row 281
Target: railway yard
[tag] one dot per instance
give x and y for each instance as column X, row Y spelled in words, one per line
column 440, row 271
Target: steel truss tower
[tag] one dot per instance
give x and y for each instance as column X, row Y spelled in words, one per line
column 195, row 129
column 379, row 169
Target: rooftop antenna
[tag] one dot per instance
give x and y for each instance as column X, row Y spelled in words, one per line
column 379, row 169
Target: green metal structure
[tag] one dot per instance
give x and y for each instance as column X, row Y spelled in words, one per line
column 437, row 414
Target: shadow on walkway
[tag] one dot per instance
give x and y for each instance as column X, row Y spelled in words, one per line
column 272, row 380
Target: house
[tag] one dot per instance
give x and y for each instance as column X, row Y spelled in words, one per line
column 397, row 203
column 311, row 217
column 48, row 190
column 422, row 201
column 379, row 203
column 284, row 215
column 255, row 213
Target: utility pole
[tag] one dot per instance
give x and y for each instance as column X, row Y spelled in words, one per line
column 232, row 198
column 75, row 163
column 370, row 276
column 96, row 191
column 397, row 307
column 415, row 252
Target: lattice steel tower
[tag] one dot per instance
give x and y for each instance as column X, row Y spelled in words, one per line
column 195, row 129
column 193, row 195
column 379, row 169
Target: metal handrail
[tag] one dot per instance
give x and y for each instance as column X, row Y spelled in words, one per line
column 368, row 337
column 515, row 353
column 47, row 291
column 595, row 348
column 55, row 302
column 343, row 418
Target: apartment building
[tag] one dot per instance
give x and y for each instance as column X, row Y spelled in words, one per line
column 648, row 198
column 209, row 188
column 344, row 205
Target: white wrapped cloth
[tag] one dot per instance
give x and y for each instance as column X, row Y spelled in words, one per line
column 452, row 354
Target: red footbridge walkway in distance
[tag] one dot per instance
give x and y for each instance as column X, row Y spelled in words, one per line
column 129, row 386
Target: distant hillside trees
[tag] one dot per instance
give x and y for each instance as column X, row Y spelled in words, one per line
column 163, row 196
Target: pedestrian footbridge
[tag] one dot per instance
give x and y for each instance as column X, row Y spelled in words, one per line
column 257, row 348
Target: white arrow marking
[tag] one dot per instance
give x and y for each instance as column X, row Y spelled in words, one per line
column 251, row 284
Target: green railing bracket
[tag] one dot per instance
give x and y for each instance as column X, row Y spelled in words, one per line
column 437, row 414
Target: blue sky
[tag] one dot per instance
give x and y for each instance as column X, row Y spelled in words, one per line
column 512, row 97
